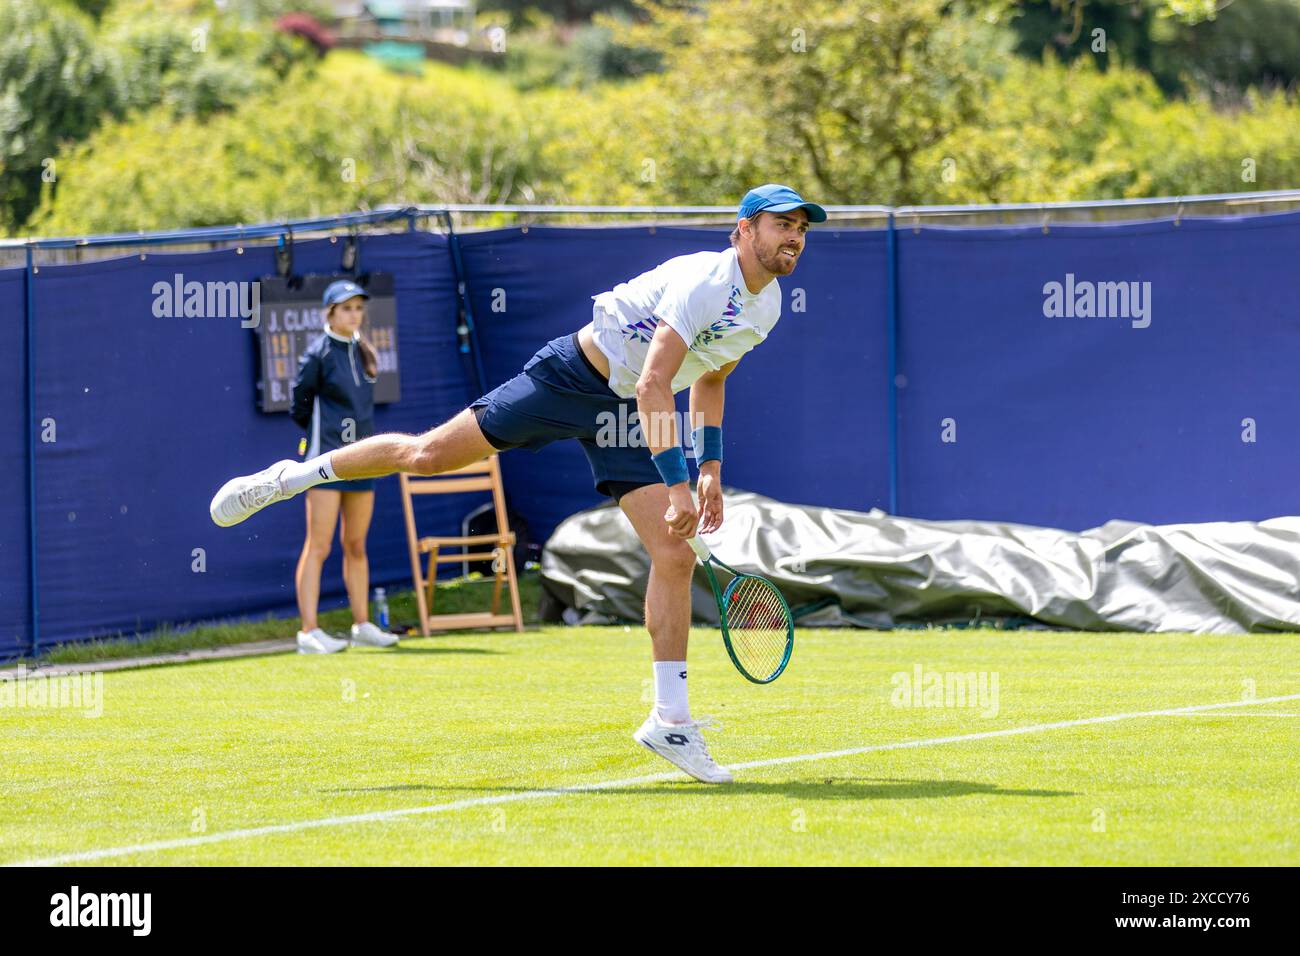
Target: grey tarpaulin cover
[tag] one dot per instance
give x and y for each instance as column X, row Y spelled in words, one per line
column 849, row 568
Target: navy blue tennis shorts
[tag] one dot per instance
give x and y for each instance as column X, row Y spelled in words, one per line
column 356, row 484
column 558, row 395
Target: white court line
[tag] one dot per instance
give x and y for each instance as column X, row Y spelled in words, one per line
column 384, row 815
column 1262, row 713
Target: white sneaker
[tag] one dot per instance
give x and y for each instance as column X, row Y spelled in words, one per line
column 372, row 636
column 318, row 642
column 683, row 745
column 243, row 497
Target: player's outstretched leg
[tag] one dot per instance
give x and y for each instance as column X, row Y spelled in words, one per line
column 669, row 731
column 451, row 445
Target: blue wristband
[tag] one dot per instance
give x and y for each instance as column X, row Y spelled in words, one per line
column 707, row 441
column 672, row 466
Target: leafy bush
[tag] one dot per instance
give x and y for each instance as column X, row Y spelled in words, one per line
column 861, row 101
column 544, row 54
column 1039, row 138
column 197, row 65
column 847, row 93
column 1057, row 132
column 639, row 143
column 1187, row 45
column 55, row 85
column 1186, row 147
column 352, row 136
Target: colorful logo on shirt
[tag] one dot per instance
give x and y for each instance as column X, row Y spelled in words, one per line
column 718, row 329
column 642, row 331
column 714, row 332
column 734, row 304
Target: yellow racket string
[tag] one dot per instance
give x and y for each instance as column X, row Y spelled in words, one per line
column 758, row 624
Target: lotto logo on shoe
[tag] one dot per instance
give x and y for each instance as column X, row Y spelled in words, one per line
column 677, row 740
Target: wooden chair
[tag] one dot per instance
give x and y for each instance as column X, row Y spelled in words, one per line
column 484, row 475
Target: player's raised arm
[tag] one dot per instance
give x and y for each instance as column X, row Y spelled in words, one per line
column 657, row 412
column 707, row 398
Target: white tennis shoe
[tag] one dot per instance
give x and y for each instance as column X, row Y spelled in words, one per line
column 243, row 497
column 317, row 641
column 372, row 636
column 682, row 745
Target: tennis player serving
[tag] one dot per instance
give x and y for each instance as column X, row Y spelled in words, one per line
column 685, row 323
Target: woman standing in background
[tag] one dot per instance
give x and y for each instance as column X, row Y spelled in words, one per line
column 333, row 399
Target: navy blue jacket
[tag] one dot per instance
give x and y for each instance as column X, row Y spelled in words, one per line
column 330, row 389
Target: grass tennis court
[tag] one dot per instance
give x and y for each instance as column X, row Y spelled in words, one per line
column 487, row 723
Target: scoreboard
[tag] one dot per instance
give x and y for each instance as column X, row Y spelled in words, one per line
column 292, row 317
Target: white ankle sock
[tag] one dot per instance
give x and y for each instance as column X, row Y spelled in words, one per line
column 670, row 692
column 302, row 475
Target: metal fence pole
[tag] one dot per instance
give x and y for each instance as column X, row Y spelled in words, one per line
column 891, row 346
column 33, row 591
column 467, row 309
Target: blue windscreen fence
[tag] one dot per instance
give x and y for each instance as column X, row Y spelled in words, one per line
column 1059, row 377
column 15, row 551
column 139, row 417
column 1159, row 386
column 821, row 369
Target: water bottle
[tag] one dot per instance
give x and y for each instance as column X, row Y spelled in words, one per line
column 381, row 608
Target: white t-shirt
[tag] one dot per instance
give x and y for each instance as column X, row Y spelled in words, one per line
column 702, row 297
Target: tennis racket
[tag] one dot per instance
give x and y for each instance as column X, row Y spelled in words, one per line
column 757, row 627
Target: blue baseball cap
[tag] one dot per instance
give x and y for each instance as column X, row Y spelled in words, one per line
column 777, row 198
column 342, row 290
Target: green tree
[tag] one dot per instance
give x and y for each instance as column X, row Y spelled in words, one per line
column 1255, row 43
column 95, row 8
column 1186, row 147
column 55, row 86
column 547, row 54
column 1039, row 141
column 848, row 93
column 197, row 65
column 1222, row 48
column 642, row 144
column 521, row 12
column 230, row 11
column 1072, row 131
column 161, row 66
column 351, row 136
column 888, row 101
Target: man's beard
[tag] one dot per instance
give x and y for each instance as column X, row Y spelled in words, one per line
column 776, row 263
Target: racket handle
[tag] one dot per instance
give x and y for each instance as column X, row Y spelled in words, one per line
column 699, row 547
